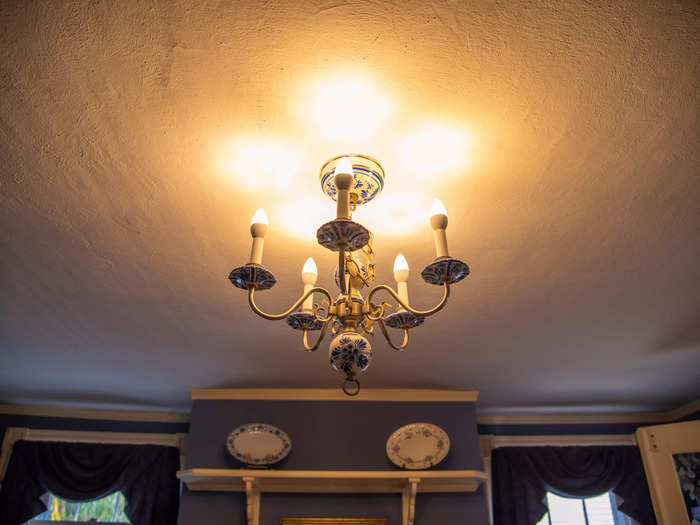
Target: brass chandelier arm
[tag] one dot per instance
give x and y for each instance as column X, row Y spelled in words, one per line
column 323, row 308
column 322, row 334
column 341, row 272
column 403, row 344
column 278, row 317
column 376, row 311
column 419, row 313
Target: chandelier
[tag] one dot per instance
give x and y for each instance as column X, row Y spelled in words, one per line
column 351, row 180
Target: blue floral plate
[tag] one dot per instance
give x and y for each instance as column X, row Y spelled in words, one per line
column 418, row 446
column 258, row 444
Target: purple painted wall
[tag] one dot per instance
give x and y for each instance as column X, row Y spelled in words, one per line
column 329, row 435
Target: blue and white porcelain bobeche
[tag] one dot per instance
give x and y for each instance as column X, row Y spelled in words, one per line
column 446, row 270
column 403, row 320
column 303, row 321
column 251, row 274
column 342, row 234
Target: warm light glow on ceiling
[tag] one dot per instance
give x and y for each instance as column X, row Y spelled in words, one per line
column 263, row 163
column 400, row 212
column 347, row 107
column 434, row 150
column 345, row 113
column 301, row 218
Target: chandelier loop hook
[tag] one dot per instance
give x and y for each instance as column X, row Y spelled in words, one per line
column 350, row 380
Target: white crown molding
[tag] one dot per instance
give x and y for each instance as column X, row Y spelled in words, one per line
column 95, row 413
column 582, row 419
column 334, row 394
column 368, row 395
column 684, row 410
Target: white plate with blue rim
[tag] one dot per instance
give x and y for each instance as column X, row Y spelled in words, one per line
column 258, row 444
column 418, row 446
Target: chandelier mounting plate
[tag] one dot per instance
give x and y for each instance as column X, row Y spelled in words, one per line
column 368, row 177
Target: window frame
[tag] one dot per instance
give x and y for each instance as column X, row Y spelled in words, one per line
column 489, row 442
column 14, row 434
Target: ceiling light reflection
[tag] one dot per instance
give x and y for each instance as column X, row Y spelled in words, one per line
column 398, row 214
column 347, row 107
column 434, row 150
column 301, row 218
column 263, row 163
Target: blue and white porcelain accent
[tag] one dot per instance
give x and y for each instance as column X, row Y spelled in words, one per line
column 366, row 185
column 303, row 321
column 244, row 276
column 403, row 320
column 417, row 446
column 258, row 444
column 445, row 270
column 342, row 232
column 350, row 353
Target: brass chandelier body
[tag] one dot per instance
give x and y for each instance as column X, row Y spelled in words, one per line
column 352, row 180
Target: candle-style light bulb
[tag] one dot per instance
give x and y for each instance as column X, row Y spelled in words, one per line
column 309, row 275
column 343, row 176
column 438, row 208
column 258, row 229
column 400, row 264
column 438, row 221
column 344, row 166
column 401, row 273
column 259, row 217
column 309, row 270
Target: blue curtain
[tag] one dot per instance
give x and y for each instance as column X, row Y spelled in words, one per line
column 521, row 476
column 145, row 474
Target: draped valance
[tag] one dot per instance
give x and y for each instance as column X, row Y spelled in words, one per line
column 521, row 476
column 145, row 474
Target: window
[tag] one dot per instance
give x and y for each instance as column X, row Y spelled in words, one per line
column 597, row 510
column 109, row 509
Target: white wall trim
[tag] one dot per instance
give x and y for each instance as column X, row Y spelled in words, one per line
column 93, row 413
column 582, row 419
column 369, row 395
column 682, row 411
column 14, row 434
column 334, row 394
column 489, row 442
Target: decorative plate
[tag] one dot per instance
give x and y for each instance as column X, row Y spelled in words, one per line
column 258, row 444
column 418, row 446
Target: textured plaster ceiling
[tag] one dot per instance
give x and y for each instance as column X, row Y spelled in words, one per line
column 577, row 202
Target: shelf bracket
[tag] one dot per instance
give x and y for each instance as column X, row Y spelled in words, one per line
column 252, row 495
column 408, row 501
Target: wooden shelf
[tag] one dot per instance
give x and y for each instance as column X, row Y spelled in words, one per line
column 338, row 481
column 405, row 482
